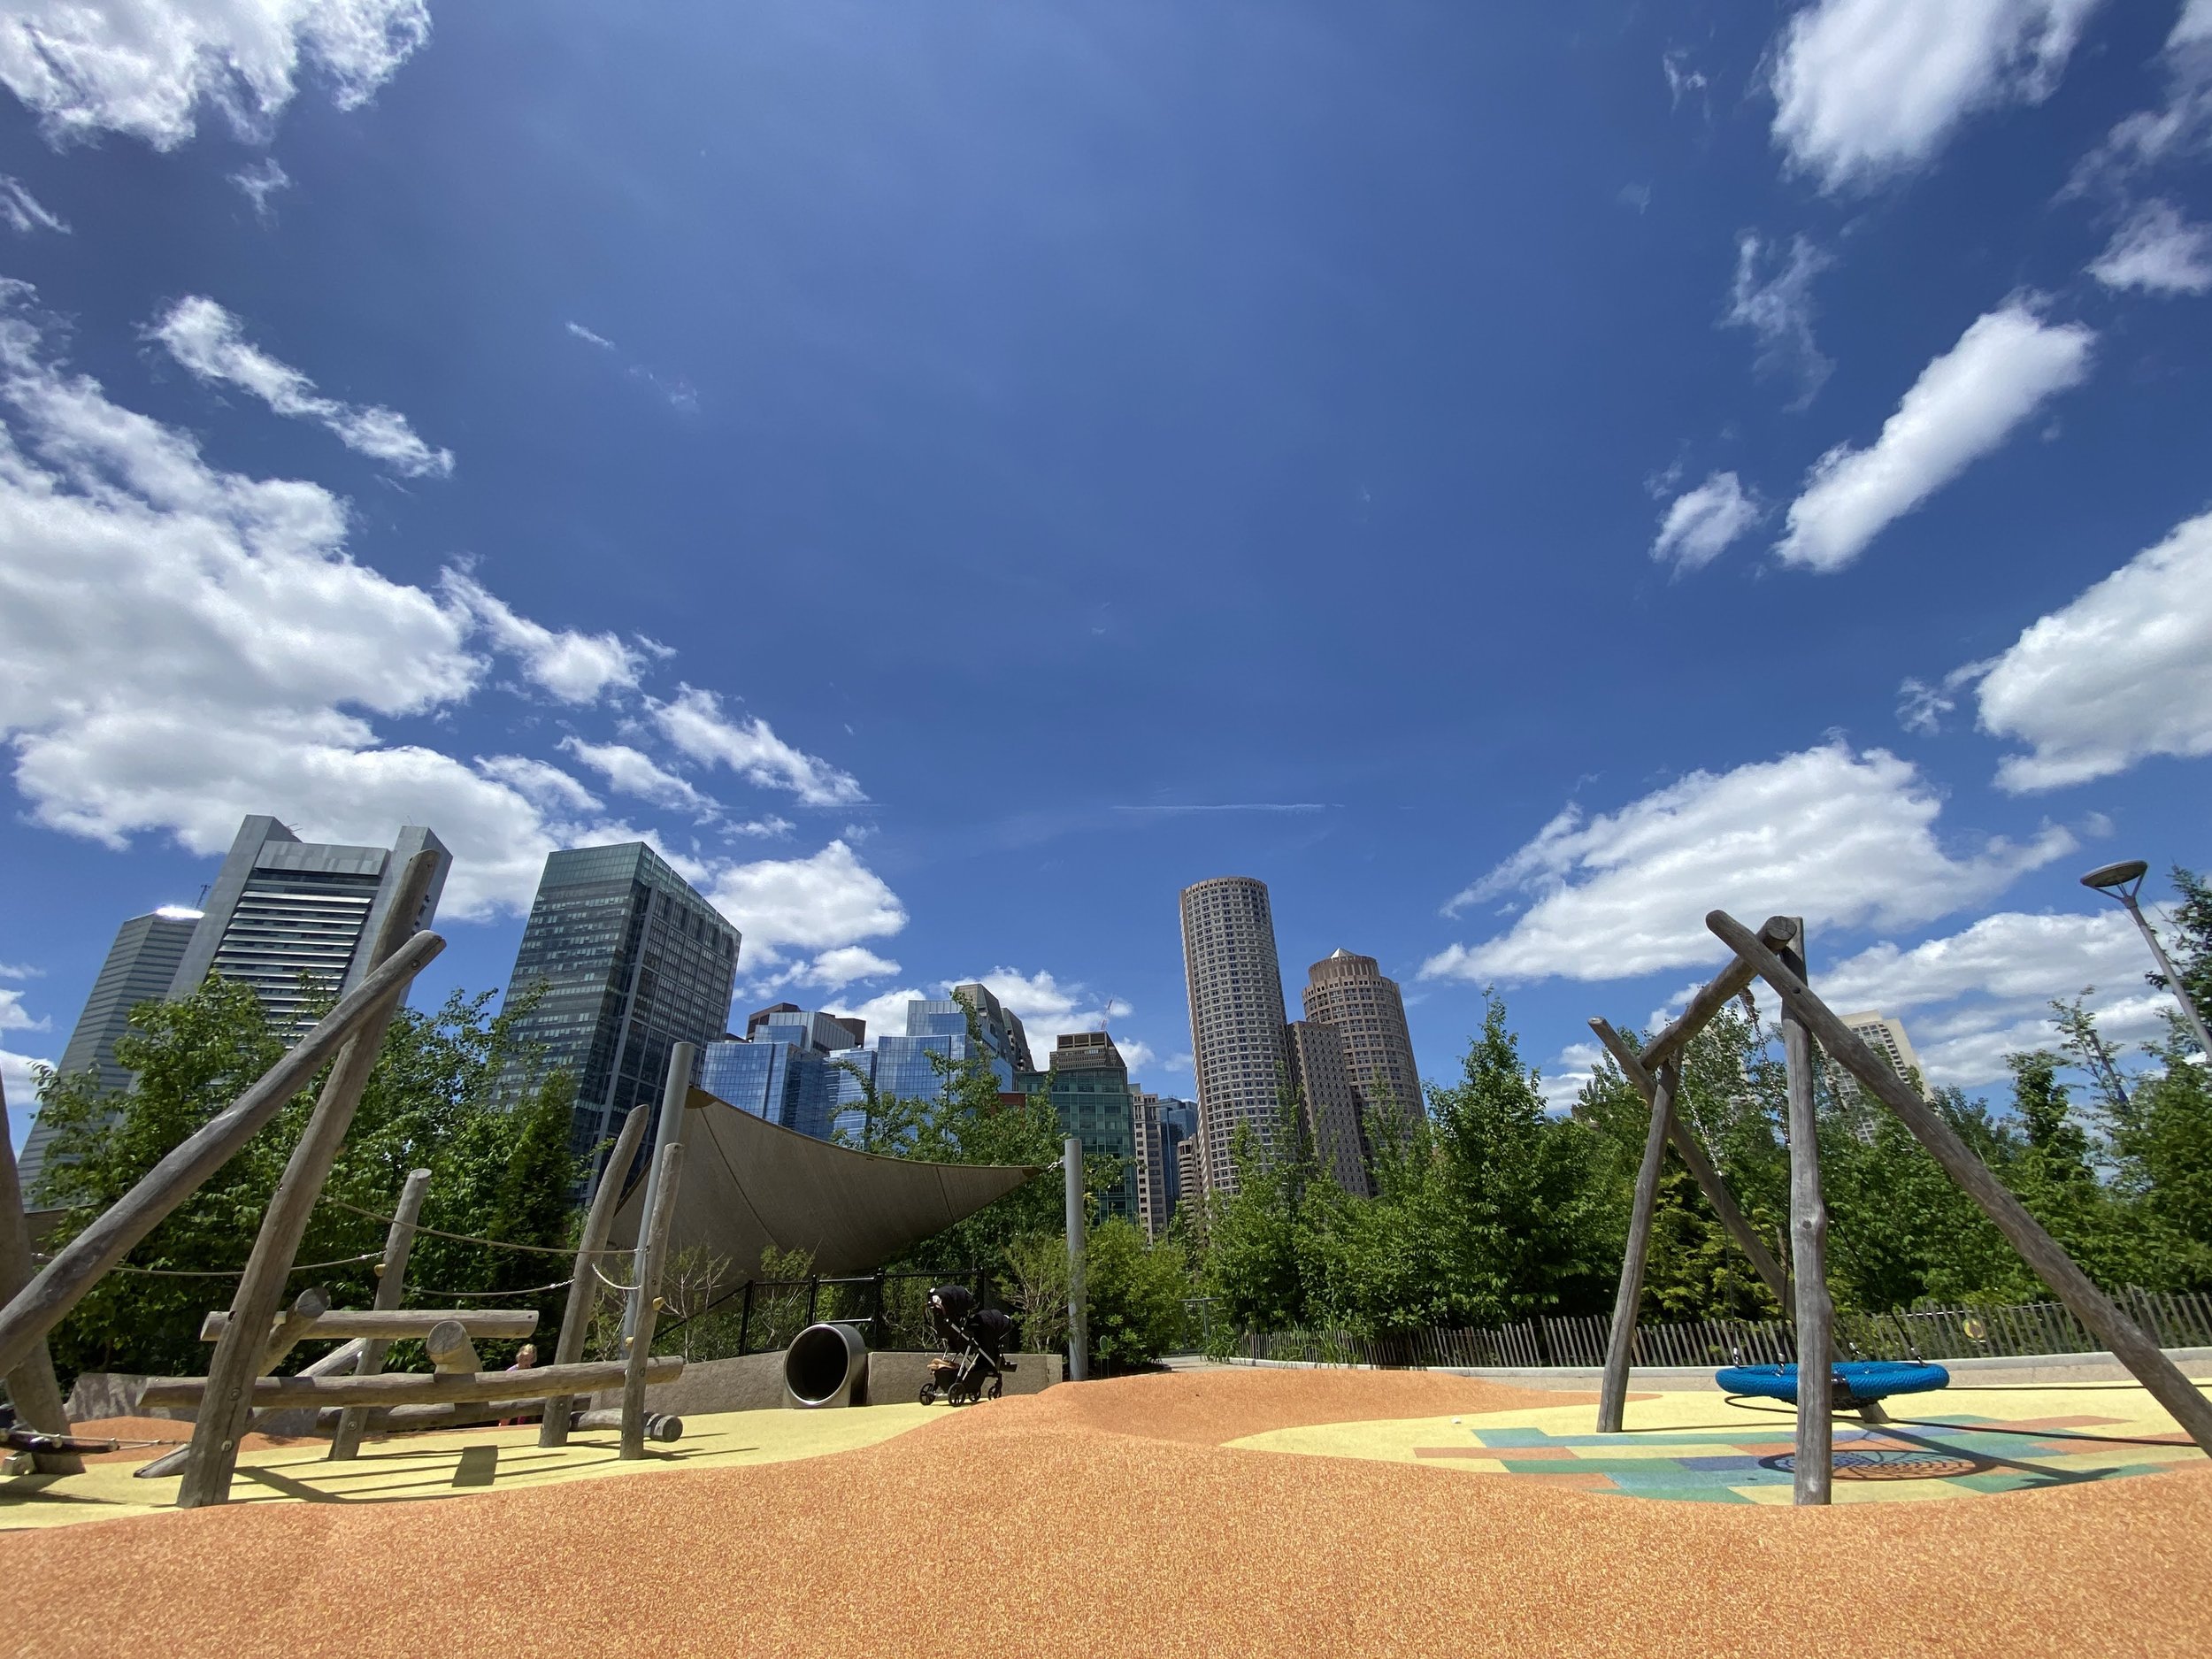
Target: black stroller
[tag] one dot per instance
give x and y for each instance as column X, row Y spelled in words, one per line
column 973, row 1365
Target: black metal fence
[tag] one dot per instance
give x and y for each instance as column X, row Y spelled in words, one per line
column 2032, row 1329
column 712, row 1321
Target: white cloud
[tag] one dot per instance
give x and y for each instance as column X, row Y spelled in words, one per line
column 2122, row 672
column 1562, row 1086
column 886, row 1013
column 2158, row 252
column 21, row 1075
column 142, row 67
column 814, row 903
column 1865, row 89
column 585, row 334
column 186, row 645
column 1050, row 1008
column 25, row 212
column 1702, row 522
column 1921, row 706
column 767, row 828
column 1681, row 78
column 14, row 1016
column 1772, row 296
column 1833, row 836
column 1969, row 999
column 574, row 667
column 2181, row 125
column 207, row 341
column 260, row 182
column 694, row 722
column 20, row 970
column 1963, row 406
column 629, row 772
column 848, row 964
column 544, row 786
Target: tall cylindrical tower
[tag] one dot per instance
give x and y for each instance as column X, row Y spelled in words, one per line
column 1350, row 993
column 1236, row 1017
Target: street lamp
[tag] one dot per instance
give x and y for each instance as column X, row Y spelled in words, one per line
column 2123, row 881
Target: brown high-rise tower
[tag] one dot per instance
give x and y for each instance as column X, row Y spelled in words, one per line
column 1236, row 1018
column 1350, row 993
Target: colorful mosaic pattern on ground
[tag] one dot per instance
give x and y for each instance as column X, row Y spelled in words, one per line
column 1703, row 1448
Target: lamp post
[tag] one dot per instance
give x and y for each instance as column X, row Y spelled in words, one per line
column 2123, row 881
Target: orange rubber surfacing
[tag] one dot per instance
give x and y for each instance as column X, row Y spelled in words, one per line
column 1062, row 1524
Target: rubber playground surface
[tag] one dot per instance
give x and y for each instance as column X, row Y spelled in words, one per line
column 1238, row 1510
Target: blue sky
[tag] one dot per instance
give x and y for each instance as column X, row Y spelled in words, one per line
column 954, row 474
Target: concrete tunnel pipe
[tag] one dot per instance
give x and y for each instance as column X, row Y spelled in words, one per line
column 825, row 1365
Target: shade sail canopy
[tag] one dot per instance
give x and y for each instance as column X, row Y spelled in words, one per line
column 749, row 1185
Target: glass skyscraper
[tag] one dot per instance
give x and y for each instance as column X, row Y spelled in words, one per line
column 141, row 965
column 790, row 1069
column 629, row 961
column 1090, row 1092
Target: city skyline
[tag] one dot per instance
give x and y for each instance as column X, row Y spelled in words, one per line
column 948, row 484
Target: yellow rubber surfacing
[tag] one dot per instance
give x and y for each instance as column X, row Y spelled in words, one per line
column 458, row 1464
column 1959, row 1442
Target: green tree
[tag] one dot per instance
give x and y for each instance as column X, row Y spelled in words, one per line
column 1133, row 1294
column 498, row 1171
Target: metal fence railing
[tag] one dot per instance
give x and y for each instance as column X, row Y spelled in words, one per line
column 2178, row 1319
column 760, row 1316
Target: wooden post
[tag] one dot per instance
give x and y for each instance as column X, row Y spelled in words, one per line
column 660, row 1209
column 452, row 1353
column 583, row 1287
column 85, row 1260
column 1708, row 1178
column 33, row 1389
column 230, row 1374
column 1712, row 996
column 2159, row 1376
column 391, row 1288
column 1812, row 1465
column 1620, row 1346
column 292, row 1328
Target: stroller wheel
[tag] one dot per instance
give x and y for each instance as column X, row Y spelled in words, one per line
column 929, row 1394
column 993, row 1388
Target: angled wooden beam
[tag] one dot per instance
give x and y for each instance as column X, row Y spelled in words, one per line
column 583, row 1288
column 1708, row 1178
column 339, row 1359
column 32, row 1388
column 230, row 1374
column 1620, row 1346
column 1715, row 994
column 86, row 1259
column 652, row 1253
column 391, row 1288
column 1813, row 1466
column 2159, row 1376
column 293, row 1327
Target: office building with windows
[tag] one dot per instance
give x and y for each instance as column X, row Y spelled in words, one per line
column 791, row 1067
column 624, row 960
column 1349, row 992
column 1091, row 1094
column 1887, row 1037
column 294, row 919
column 1236, row 1018
column 903, row 1068
column 141, row 966
column 1160, row 1127
column 1321, row 1071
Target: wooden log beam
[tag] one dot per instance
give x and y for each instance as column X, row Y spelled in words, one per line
column 660, row 1211
column 583, row 1288
column 450, row 1350
column 32, row 1388
column 2127, row 1341
column 391, row 1286
column 1700, row 1167
column 413, row 1388
column 1621, row 1344
column 339, row 1359
column 400, row 1324
column 86, row 1259
column 1713, row 997
column 1812, row 1468
column 207, row 1473
column 292, row 1327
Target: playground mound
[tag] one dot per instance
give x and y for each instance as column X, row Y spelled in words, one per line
column 1098, row 1516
